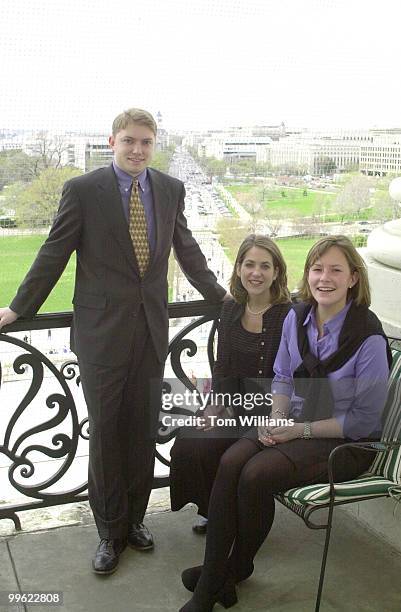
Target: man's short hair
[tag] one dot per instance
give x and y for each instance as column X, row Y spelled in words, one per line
column 134, row 115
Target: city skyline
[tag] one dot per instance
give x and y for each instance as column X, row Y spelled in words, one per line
column 323, row 63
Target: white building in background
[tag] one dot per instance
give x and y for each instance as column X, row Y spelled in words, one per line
column 289, row 151
column 10, row 143
column 383, row 155
column 372, row 151
column 192, row 139
column 91, row 152
column 305, row 148
column 280, row 146
column 232, row 148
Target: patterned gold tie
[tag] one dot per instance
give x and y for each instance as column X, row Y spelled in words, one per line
column 138, row 229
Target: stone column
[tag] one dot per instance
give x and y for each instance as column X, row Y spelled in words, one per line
column 383, row 259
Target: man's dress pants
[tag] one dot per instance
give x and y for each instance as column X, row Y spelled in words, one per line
column 123, row 407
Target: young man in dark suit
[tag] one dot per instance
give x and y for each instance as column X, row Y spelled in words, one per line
column 122, row 222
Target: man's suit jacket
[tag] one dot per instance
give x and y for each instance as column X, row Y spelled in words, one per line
column 108, row 288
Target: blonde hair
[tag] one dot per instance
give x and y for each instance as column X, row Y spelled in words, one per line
column 134, row 115
column 360, row 292
column 278, row 290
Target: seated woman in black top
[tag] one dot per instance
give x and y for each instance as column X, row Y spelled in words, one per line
column 249, row 335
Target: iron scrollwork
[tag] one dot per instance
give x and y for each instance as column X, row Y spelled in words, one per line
column 178, row 345
column 20, row 448
column 58, row 434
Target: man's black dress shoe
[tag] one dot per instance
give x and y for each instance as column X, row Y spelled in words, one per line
column 139, row 537
column 107, row 555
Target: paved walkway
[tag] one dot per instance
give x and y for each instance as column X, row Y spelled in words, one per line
column 362, row 575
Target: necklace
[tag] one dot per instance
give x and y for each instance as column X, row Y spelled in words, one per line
column 259, row 311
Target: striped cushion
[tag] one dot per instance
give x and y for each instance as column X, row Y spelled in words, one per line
column 389, row 464
column 319, row 494
column 384, row 476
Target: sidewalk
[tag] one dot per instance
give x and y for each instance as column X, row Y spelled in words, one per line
column 363, row 575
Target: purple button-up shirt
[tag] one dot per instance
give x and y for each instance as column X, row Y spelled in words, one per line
column 359, row 387
column 145, row 193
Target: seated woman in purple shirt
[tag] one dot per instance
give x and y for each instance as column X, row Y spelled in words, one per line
column 330, row 384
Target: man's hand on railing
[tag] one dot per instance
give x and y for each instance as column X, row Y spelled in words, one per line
column 7, row 316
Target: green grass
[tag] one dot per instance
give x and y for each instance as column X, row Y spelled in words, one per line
column 18, row 252
column 16, row 255
column 294, row 200
column 294, row 251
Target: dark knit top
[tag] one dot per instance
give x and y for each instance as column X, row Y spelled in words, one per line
column 242, row 354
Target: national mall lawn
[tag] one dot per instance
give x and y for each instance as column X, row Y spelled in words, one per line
column 16, row 255
column 18, row 252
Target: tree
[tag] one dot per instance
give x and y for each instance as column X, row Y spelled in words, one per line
column 162, row 159
column 273, row 220
column 354, row 197
column 291, row 168
column 343, row 205
column 323, row 207
column 36, row 204
column 262, row 192
column 243, row 167
column 13, row 195
column 15, row 166
column 232, row 232
column 256, row 212
column 385, row 207
column 47, row 152
column 216, row 167
column 263, row 168
column 324, row 165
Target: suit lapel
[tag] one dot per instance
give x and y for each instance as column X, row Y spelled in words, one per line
column 161, row 203
column 110, row 202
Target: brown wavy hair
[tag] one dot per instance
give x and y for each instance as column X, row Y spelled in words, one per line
column 278, row 290
column 360, row 292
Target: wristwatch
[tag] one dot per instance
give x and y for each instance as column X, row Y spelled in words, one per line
column 307, row 431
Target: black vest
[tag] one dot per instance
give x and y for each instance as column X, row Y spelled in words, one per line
column 310, row 378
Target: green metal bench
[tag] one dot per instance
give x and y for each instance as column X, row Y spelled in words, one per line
column 382, row 480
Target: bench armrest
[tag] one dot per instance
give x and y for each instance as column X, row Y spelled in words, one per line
column 373, row 446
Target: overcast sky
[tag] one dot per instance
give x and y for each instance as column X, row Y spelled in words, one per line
column 75, row 64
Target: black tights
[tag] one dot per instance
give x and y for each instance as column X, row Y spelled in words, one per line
column 241, row 509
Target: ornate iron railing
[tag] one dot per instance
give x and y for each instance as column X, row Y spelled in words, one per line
column 60, row 436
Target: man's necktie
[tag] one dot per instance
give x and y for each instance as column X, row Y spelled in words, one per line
column 138, row 229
